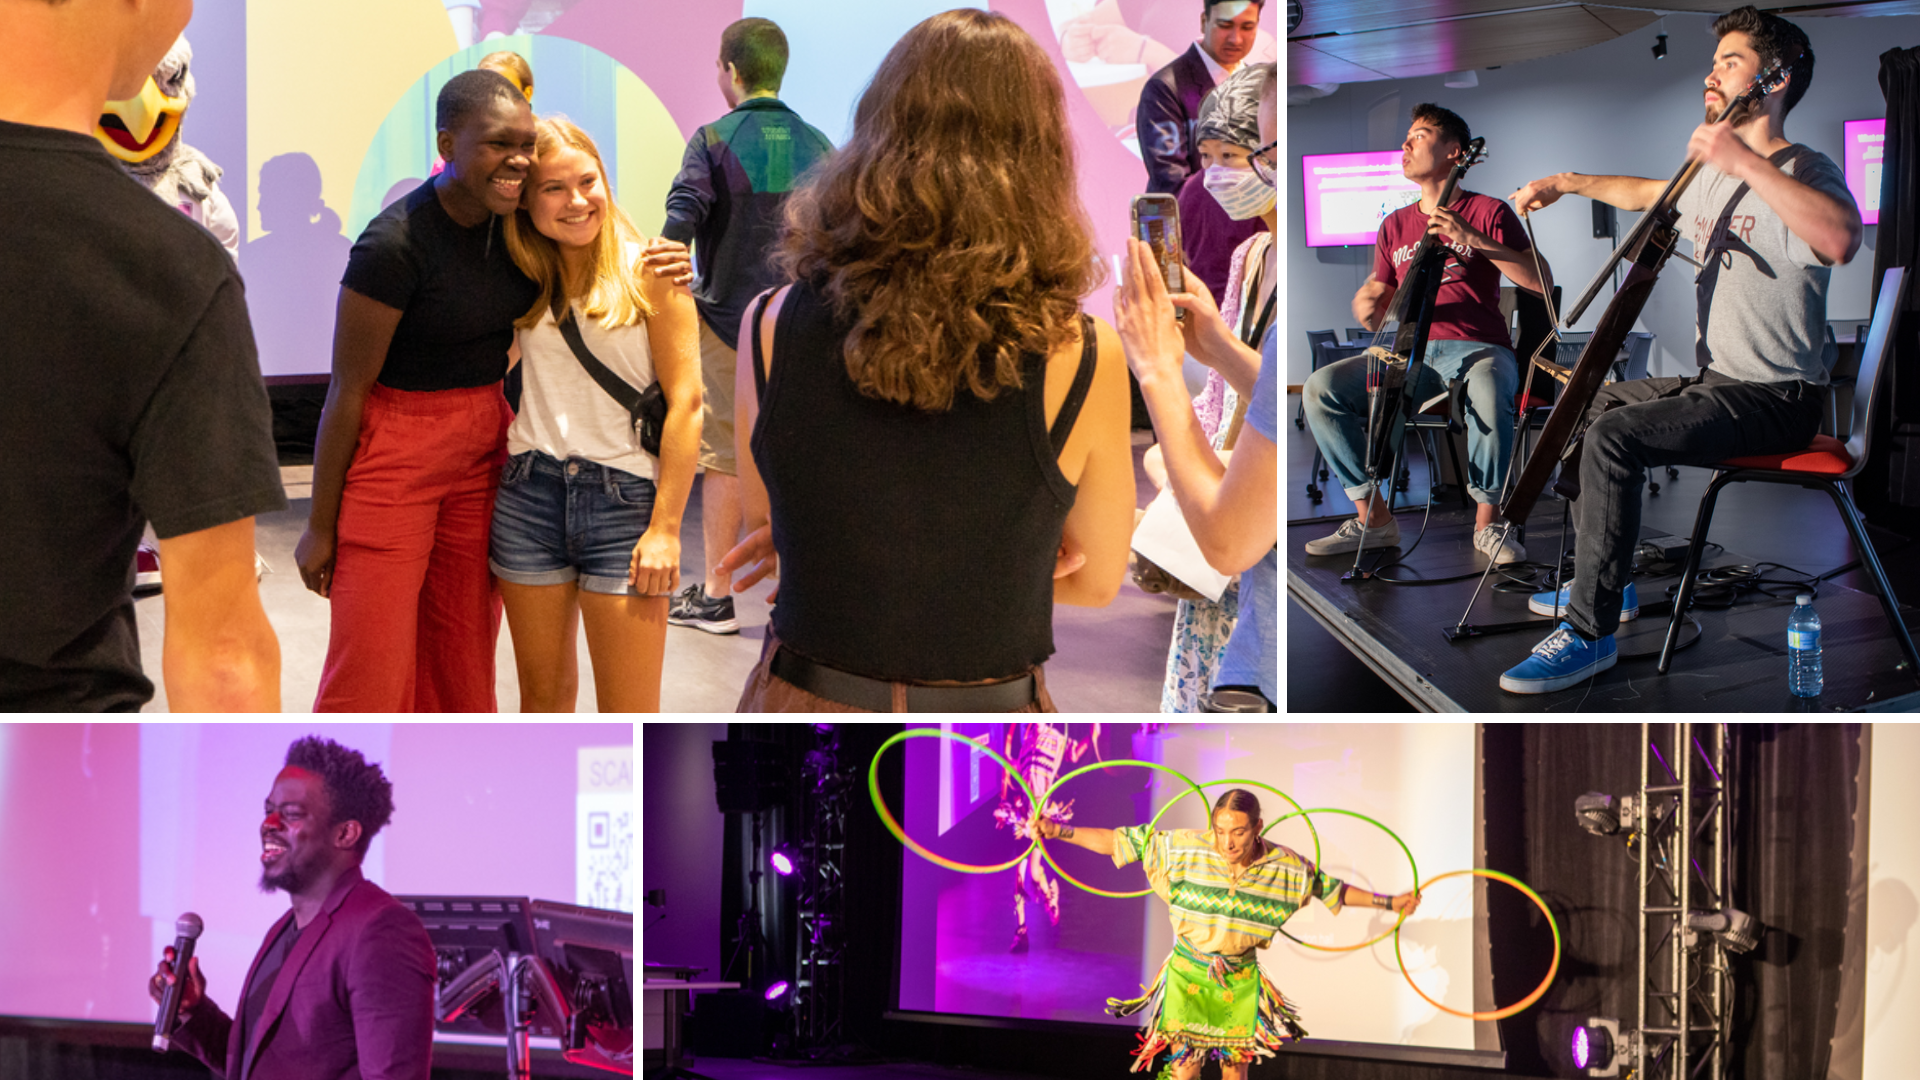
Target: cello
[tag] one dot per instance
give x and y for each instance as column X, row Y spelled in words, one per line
column 1393, row 369
column 1648, row 246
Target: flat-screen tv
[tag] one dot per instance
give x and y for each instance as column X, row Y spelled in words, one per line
column 1349, row 195
column 1866, row 141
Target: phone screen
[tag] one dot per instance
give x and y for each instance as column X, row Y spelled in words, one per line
column 1156, row 221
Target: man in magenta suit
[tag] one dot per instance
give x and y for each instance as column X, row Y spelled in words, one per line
column 343, row 986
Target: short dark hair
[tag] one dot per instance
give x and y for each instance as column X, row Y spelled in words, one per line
column 757, row 49
column 470, row 92
column 356, row 790
column 1448, row 121
column 1777, row 41
column 1207, row 6
column 1238, row 800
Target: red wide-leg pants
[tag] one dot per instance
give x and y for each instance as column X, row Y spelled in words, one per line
column 416, row 615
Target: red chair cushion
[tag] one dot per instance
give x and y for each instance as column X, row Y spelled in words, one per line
column 1826, row 456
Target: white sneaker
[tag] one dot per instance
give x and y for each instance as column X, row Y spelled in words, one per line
column 1346, row 538
column 1487, row 540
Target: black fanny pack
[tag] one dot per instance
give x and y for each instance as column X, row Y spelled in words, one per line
column 647, row 408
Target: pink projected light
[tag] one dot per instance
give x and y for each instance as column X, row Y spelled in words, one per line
column 1866, row 141
column 1348, row 195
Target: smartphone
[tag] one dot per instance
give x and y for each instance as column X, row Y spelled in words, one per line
column 1156, row 223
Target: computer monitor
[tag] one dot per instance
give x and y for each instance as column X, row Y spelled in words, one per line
column 590, row 952
column 464, row 930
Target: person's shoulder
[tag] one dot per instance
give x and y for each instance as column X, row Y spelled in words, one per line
column 1806, row 162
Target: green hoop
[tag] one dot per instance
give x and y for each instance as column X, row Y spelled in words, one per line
column 893, row 826
column 1048, row 855
column 1410, row 862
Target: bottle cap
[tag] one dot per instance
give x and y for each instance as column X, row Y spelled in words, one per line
column 1803, row 598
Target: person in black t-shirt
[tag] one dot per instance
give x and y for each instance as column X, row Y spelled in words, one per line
column 130, row 392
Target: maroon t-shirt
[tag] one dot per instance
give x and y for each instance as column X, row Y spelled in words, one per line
column 1468, row 308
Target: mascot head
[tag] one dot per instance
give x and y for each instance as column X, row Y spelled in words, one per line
column 144, row 131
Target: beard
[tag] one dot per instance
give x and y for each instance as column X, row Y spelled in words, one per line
column 290, row 878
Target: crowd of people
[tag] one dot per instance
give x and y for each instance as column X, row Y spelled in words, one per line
column 882, row 352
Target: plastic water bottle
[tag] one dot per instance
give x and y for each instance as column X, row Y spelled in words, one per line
column 1803, row 648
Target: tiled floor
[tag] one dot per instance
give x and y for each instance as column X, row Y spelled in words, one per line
column 1107, row 660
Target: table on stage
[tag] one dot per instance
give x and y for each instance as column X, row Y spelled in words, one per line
column 677, row 984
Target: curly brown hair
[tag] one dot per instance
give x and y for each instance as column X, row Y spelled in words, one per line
column 949, row 229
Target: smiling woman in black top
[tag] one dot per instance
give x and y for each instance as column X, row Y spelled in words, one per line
column 413, row 435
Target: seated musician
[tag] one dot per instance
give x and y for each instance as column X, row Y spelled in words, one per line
column 1467, row 339
column 1768, row 218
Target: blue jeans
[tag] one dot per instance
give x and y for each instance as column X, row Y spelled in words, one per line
column 556, row 522
column 1336, row 403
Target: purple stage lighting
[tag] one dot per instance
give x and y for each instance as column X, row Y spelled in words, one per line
column 782, row 866
column 1581, row 1049
column 776, row 989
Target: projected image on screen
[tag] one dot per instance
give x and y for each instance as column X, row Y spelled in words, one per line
column 1025, row 943
column 1347, row 196
column 118, row 829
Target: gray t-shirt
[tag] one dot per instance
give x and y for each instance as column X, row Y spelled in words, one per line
column 1762, row 298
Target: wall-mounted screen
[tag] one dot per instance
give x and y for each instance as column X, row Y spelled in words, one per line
column 1349, row 195
column 1866, row 141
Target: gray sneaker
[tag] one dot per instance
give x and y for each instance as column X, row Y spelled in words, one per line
column 1346, row 538
column 1488, row 538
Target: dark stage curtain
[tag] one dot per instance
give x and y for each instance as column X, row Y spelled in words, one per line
column 1790, row 832
column 1889, row 488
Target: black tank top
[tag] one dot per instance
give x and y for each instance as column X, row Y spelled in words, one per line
column 914, row 546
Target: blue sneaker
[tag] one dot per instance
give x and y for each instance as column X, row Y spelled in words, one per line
column 1564, row 659
column 1542, row 603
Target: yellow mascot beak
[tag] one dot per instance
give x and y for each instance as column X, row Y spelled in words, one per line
column 140, row 127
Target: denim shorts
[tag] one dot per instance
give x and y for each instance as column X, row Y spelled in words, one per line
column 556, row 522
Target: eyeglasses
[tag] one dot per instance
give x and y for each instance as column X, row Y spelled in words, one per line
column 1263, row 169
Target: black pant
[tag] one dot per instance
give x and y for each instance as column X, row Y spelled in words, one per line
column 1669, row 421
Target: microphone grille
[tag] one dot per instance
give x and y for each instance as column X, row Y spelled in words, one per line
column 188, row 926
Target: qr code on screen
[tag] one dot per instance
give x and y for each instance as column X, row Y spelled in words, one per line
column 607, row 854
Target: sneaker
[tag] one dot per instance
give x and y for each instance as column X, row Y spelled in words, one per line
column 146, row 565
column 1564, row 659
column 692, row 606
column 1019, row 945
column 1487, row 540
column 1347, row 538
column 1542, row 603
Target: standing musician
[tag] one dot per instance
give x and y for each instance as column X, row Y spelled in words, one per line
column 1468, row 338
column 1767, row 219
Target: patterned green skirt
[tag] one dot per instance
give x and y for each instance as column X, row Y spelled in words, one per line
column 1221, row 1007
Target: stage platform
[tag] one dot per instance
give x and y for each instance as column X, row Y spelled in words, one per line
column 1738, row 663
column 717, row 1068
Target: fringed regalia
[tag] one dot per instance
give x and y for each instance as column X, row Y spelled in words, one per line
column 1223, row 1007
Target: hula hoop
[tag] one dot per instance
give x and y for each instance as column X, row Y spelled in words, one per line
column 1047, row 855
column 1315, row 833
column 1501, row 1013
column 900, row 834
column 1391, row 930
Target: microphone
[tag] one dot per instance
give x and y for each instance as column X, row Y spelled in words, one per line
column 187, row 928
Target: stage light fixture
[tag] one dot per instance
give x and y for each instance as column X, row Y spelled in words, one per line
column 1738, row 931
column 1597, row 1047
column 777, row 990
column 785, row 860
column 1603, row 815
column 1660, row 47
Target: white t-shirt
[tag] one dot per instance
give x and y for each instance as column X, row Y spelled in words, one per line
column 564, row 413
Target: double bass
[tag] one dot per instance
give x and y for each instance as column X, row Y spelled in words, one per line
column 1391, row 370
column 1648, row 246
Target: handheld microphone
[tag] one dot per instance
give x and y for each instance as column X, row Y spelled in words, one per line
column 187, row 928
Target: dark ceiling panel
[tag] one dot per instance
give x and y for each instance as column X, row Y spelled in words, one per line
column 1435, row 48
column 1353, row 16
column 1306, row 64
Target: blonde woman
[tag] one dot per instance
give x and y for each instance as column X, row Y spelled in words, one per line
column 587, row 523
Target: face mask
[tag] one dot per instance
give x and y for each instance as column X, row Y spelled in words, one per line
column 1239, row 192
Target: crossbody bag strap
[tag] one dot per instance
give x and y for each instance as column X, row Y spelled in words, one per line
column 616, row 387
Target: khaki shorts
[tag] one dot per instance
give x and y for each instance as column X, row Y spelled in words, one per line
column 717, row 364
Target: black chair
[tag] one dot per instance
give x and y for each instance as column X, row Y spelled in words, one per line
column 1826, row 464
column 1842, row 374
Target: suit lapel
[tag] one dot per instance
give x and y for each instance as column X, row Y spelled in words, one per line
column 310, row 939
column 236, row 1053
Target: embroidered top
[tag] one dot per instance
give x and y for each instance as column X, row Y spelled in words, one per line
column 1216, row 906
